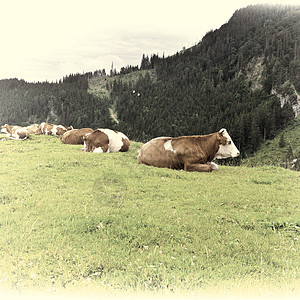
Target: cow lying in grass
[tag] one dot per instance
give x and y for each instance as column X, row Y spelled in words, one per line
column 32, row 129
column 191, row 153
column 105, row 141
column 15, row 132
column 75, row 136
column 51, row 129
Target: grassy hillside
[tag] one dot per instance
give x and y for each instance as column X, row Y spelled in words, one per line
column 271, row 153
column 101, row 86
column 76, row 221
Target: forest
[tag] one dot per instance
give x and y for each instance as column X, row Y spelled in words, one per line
column 212, row 85
column 232, row 78
column 65, row 102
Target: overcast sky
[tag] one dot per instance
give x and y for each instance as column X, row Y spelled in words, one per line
column 48, row 39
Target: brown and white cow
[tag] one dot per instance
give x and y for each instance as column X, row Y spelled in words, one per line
column 191, row 153
column 75, row 136
column 50, row 129
column 32, row 129
column 105, row 141
column 15, row 132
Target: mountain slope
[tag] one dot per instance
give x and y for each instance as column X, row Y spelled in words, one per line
column 243, row 76
column 67, row 102
column 280, row 151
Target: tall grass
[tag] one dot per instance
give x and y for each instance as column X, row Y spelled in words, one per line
column 76, row 220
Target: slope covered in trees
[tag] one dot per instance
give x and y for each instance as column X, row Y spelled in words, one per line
column 67, row 102
column 231, row 79
column 282, row 151
column 244, row 76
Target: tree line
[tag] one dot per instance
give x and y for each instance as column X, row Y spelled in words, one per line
column 66, row 102
column 214, row 84
column 227, row 80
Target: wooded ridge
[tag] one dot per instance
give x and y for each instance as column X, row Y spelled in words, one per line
column 244, row 76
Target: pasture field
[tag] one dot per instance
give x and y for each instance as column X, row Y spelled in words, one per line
column 73, row 221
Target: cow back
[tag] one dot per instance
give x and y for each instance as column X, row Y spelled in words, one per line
column 159, row 152
column 106, row 140
column 75, row 136
column 118, row 141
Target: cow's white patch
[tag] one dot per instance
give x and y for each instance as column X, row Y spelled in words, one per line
column 213, row 165
column 4, row 130
column 62, row 127
column 115, row 139
column 168, row 146
column 98, row 150
column 84, row 142
column 54, row 130
column 229, row 150
column 43, row 127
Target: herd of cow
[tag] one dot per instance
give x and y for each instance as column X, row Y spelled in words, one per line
column 190, row 153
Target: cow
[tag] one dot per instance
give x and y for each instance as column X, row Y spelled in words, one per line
column 105, row 141
column 50, row 129
column 75, row 136
column 15, row 132
column 32, row 129
column 190, row 153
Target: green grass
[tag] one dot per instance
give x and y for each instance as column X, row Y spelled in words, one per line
column 97, row 85
column 72, row 220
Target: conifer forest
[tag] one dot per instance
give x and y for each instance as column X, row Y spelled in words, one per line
column 244, row 76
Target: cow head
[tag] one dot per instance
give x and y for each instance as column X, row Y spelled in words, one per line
column 4, row 128
column 59, row 130
column 227, row 148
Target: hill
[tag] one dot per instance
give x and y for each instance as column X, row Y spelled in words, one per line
column 280, row 151
column 64, row 102
column 243, row 76
column 100, row 223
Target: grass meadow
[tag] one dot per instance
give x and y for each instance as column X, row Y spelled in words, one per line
column 72, row 221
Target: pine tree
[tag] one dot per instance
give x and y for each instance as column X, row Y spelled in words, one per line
column 255, row 135
column 289, row 154
column 281, row 143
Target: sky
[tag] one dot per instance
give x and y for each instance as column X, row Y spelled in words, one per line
column 49, row 39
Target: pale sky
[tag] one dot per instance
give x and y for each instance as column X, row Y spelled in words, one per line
column 48, row 39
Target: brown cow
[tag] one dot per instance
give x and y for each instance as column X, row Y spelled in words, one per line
column 106, row 140
column 15, row 132
column 75, row 136
column 50, row 129
column 191, row 153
